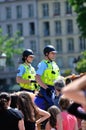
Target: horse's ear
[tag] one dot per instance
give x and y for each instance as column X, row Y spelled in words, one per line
column 78, row 76
column 74, row 76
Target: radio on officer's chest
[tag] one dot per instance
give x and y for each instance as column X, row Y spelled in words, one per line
column 53, row 72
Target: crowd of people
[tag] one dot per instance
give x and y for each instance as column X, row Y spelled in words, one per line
column 45, row 97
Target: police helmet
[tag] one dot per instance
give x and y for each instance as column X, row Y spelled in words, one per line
column 26, row 53
column 48, row 49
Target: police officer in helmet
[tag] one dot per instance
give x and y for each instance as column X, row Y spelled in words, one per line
column 46, row 74
column 26, row 73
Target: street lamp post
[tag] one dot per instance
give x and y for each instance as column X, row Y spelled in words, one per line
column 3, row 60
column 74, row 64
column 77, row 59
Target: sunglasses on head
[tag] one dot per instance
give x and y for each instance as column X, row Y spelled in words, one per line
column 58, row 89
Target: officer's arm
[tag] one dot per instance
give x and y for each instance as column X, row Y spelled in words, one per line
column 21, row 80
column 39, row 81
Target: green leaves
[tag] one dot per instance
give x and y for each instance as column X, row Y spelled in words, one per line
column 10, row 46
column 80, row 8
column 81, row 65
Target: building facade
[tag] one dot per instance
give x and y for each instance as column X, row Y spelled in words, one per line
column 43, row 22
column 57, row 26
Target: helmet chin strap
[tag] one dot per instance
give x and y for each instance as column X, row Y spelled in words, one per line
column 49, row 58
column 27, row 62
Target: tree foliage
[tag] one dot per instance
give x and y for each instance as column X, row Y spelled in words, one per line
column 10, row 46
column 79, row 7
column 81, row 64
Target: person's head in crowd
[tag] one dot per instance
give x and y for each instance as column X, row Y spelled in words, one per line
column 54, row 111
column 14, row 98
column 26, row 105
column 64, row 103
column 5, row 100
column 59, row 84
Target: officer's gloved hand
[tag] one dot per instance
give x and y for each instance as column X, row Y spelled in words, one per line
column 33, row 81
column 49, row 92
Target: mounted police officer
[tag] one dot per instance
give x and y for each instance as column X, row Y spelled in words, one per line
column 26, row 73
column 47, row 72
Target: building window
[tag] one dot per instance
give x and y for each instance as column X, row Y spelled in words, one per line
column 69, row 26
column 59, row 45
column 19, row 11
column 20, row 29
column 56, row 8
column 45, row 8
column 21, row 45
column 60, row 62
column 32, row 28
column 70, row 61
column 8, row 13
column 58, row 27
column 30, row 10
column 47, row 42
column 68, row 8
column 46, row 28
column 82, row 43
column 33, row 45
column 9, row 30
column 70, row 42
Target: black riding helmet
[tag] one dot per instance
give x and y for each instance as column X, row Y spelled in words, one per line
column 26, row 53
column 48, row 49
